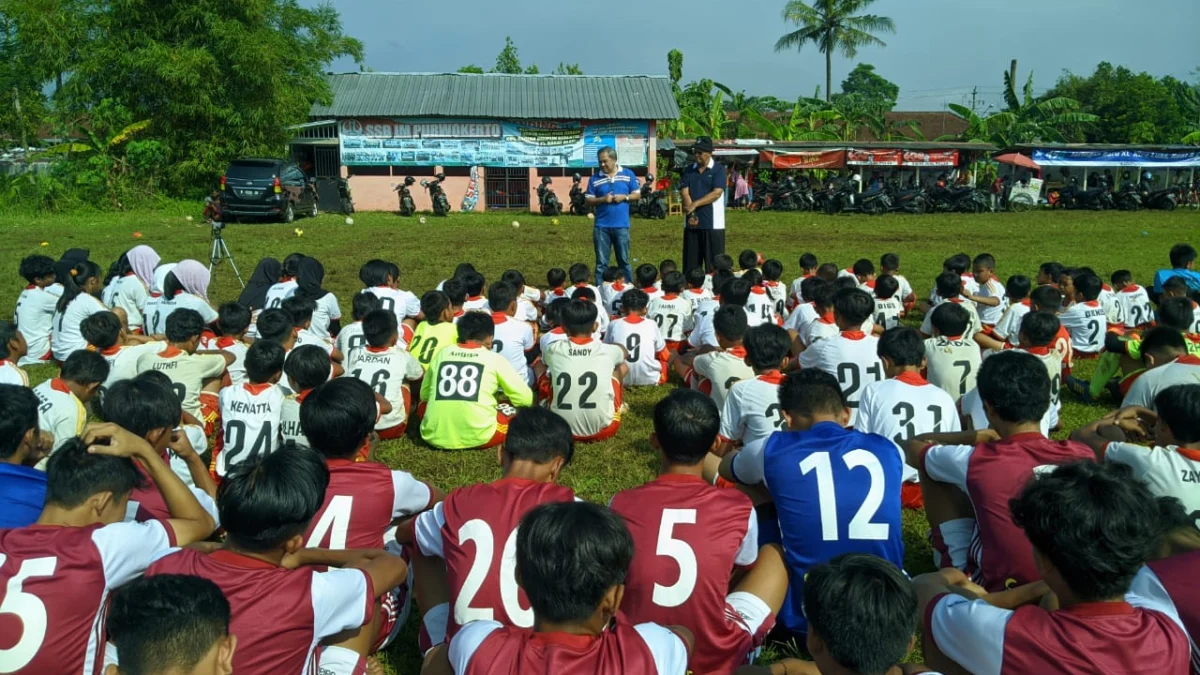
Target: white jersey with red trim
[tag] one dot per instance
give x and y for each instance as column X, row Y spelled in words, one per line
column 66, row 337
column 611, row 293
column 653, row 292
column 1009, row 326
column 279, row 292
column 11, row 374
column 59, row 411
column 801, row 316
column 704, row 308
column 820, row 328
column 952, row 363
column 289, row 419
column 761, row 305
column 187, row 372
column 969, row 287
column 674, row 316
column 476, row 303
column 581, row 381
column 250, row 420
column 905, row 289
column 306, row 337
column 122, row 360
column 851, row 357
column 645, row 347
column 404, row 304
column 713, row 373
column 513, row 339
column 1135, row 306
column 386, row 370
column 1087, row 322
column 904, row 407
column 326, row 312
column 160, row 308
column 34, row 317
column 779, row 295
column 989, row 315
column 752, row 409
column 888, row 312
column 973, row 323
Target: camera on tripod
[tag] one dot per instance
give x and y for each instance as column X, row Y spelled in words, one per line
column 217, row 226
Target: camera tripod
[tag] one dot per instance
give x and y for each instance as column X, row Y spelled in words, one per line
column 220, row 252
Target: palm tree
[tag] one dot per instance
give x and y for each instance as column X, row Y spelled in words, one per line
column 832, row 25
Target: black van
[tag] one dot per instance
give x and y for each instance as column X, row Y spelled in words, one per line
column 267, row 188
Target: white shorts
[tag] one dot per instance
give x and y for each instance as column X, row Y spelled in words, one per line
column 951, row 540
column 752, row 613
column 339, row 661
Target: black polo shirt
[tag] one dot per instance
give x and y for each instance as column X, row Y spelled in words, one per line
column 711, row 217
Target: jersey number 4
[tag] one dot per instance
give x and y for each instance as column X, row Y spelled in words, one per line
column 27, row 607
column 479, row 532
column 861, row 527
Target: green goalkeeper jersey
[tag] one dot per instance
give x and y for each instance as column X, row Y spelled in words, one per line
column 460, row 390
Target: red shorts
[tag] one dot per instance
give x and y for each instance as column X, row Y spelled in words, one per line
column 504, row 415
column 210, row 412
column 392, row 433
column 911, row 497
column 675, row 345
column 614, row 426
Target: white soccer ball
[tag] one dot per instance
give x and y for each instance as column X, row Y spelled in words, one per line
column 349, row 220
column 591, row 216
column 189, row 219
column 516, row 224
column 422, row 220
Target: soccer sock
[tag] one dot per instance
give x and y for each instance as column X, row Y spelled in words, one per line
column 433, row 627
column 1107, row 366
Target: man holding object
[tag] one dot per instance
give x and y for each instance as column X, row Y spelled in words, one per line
column 703, row 208
column 609, row 192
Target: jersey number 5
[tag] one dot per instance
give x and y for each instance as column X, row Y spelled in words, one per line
column 29, row 609
column 678, row 549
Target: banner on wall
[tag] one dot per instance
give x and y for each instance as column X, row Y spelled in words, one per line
column 873, row 157
column 494, row 143
column 818, row 159
column 930, row 158
column 1136, row 158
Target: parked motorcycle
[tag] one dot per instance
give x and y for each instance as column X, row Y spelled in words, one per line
column 848, row 200
column 547, row 200
column 909, row 201
column 437, row 195
column 1097, row 198
column 407, row 206
column 578, row 197
column 651, row 203
column 1128, row 198
column 965, row 199
column 1165, row 199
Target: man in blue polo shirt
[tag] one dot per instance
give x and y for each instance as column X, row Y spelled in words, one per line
column 609, row 192
column 703, row 194
column 22, row 487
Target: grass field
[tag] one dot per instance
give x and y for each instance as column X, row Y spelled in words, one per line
column 428, row 253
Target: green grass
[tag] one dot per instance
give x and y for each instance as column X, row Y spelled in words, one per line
column 428, row 253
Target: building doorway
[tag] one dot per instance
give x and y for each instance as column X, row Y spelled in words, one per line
column 507, row 188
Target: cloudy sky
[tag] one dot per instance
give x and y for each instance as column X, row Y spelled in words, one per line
column 941, row 48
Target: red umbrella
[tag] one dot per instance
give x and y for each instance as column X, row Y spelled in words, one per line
column 1017, row 159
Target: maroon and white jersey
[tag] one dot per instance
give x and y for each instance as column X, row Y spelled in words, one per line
column 1168, row 586
column 1088, row 638
column 279, row 615
column 752, row 409
column 852, row 358
column 56, row 583
column 761, row 305
column 1135, row 306
column 489, row 648
column 1087, row 322
column 688, row 536
column 362, row 500
column 991, row 474
column 475, row 531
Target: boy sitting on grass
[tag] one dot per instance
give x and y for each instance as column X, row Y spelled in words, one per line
column 714, row 372
column 387, row 370
column 306, row 368
column 585, row 375
column 648, row 354
column 62, row 400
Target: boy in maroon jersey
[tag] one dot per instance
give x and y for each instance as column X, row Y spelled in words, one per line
column 284, row 601
column 58, row 572
column 474, row 529
column 690, row 537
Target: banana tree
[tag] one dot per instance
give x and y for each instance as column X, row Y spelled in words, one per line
column 99, row 148
column 810, row 121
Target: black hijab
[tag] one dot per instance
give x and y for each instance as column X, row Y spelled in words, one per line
column 309, row 275
column 73, row 256
column 266, row 275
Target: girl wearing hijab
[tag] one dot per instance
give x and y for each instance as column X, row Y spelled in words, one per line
column 186, row 287
column 81, row 286
column 327, row 317
column 131, row 288
column 287, row 282
column 266, row 275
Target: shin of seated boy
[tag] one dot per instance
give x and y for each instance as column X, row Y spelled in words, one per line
column 647, row 351
column 584, row 375
column 251, row 413
column 387, row 370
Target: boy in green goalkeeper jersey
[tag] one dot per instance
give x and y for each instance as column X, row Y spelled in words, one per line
column 460, row 387
column 436, row 332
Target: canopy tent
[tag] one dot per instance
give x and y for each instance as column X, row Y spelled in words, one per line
column 1017, row 159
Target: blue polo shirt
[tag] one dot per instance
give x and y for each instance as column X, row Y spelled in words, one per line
column 22, row 495
column 711, row 216
column 1192, row 277
column 623, row 182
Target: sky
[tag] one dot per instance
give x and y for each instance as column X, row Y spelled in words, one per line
column 941, row 48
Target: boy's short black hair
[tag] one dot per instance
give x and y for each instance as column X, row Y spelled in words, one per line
column 514, row 277
column 1178, row 407
column 822, row 294
column 902, row 345
column 300, row 309
column 501, row 295
column 268, row 499
column 184, row 324
column 736, row 292
column 375, row 273
column 1017, row 287
column 766, row 346
column 1088, row 286
column 556, row 277
column 379, row 327
column 753, row 276
column 85, row 367
column 1046, row 297
column 140, row 406
column 462, row 268
column 1040, row 328
column 474, row 282
column 985, row 260
column 772, row 270
column 863, row 608
column 720, row 280
column 695, row 277
column 748, row 259
column 539, row 435
column 811, row 391
column 1177, row 313
column 569, row 555
column 950, row 319
column 475, row 327
column 957, row 263
column 853, row 305
column 291, row 264
column 456, row 290
column 672, row 282
column 634, row 300
column 233, row 319
column 101, row 330
column 20, row 406
column 722, row 261
column 73, row 474
column 166, row 623
column 611, row 274
column 433, row 303
column 1053, row 270
column 1121, row 277
column 730, row 322
column 645, row 274
column 949, row 285
column 36, row 267
column 886, row 286
column 273, row 324
column 157, row 377
column 1016, row 386
column 579, row 273
column 843, row 282
column 1164, row 341
column 1181, row 255
column 686, row 423
column 808, row 261
column 889, row 262
column 579, row 317
column 338, row 416
column 828, row 271
column 1094, row 521
column 364, row 303
column 584, row 293
column 264, row 360
column 667, row 265
column 307, row 366
column 863, row 267
column 1176, row 284
column 808, row 285
column 8, row 333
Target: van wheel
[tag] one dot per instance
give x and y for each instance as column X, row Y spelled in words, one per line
column 289, row 214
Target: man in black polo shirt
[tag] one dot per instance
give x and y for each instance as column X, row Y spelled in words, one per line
column 703, row 195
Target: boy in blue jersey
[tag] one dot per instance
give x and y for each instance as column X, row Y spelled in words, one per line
column 836, row 490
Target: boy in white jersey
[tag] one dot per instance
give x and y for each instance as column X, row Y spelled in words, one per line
column 646, row 276
column 772, row 270
column 647, row 352
column 528, row 297
column 579, row 274
column 306, row 369
column 851, row 356
column 106, row 335
column 889, row 264
column 952, row 356
column 1086, row 320
column 584, row 376
column 301, row 310
column 61, row 400
column 888, row 306
column 804, row 312
column 905, row 404
column 751, row 411
column 35, row 307
column 949, row 289
column 233, row 321
column 714, row 372
column 351, row 338
column 808, row 270
column 387, row 369
column 759, row 303
column 612, row 289
column 252, row 411
column 514, row 339
column 1038, row 333
column 990, row 301
column 696, row 290
column 474, row 283
column 957, row 264
column 556, row 281
column 195, row 376
column 823, row 323
column 287, row 284
column 672, row 312
column 736, row 292
column 380, row 278
column 12, row 349
column 1017, row 288
column 602, row 319
column 1133, row 299
column 705, row 301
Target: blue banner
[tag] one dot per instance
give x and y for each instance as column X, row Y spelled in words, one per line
column 1134, row 158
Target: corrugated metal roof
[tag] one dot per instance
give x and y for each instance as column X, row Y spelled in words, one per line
column 582, row 97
